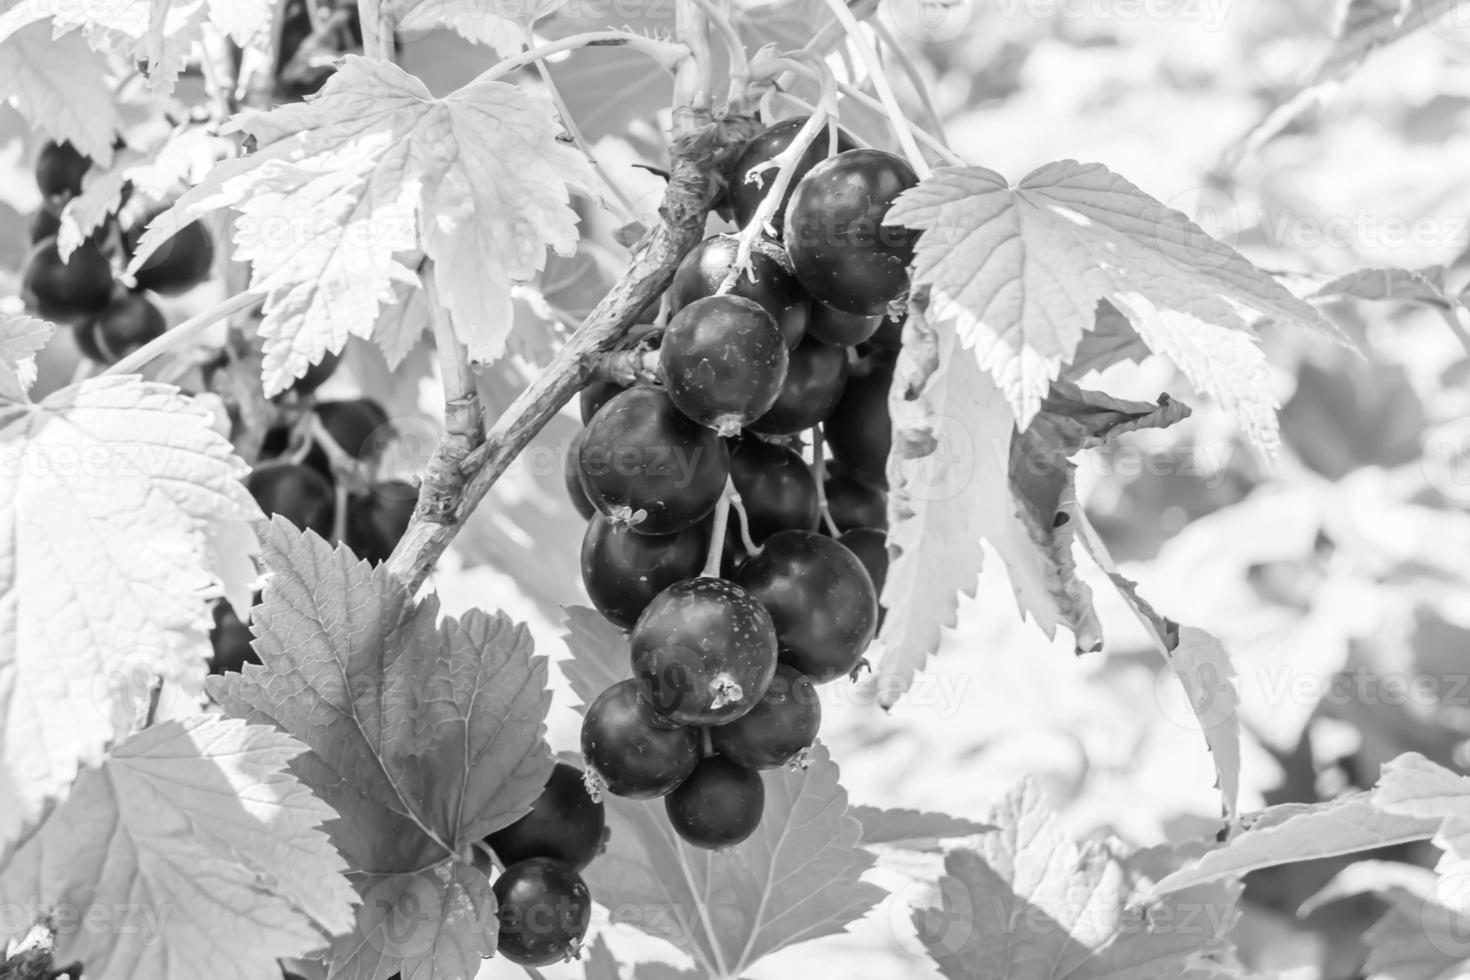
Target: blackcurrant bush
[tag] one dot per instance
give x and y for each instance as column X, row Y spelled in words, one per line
column 179, row 264
column 126, row 324
column 67, row 291
column 775, row 732
column 564, row 824
column 841, row 251
column 298, row 493
column 544, row 909
column 646, row 464
column 820, row 598
column 60, row 168
column 623, row 570
column 719, row 805
column 637, row 754
column 230, row 640
column 773, row 286
column 839, row 328
column 815, row 376
column 724, row 361
column 358, row 425
column 871, row 547
column 860, row 430
column 747, row 188
column 776, row 488
column 596, row 395
column 377, row 519
column 572, row 476
column 704, row 652
column 854, row 504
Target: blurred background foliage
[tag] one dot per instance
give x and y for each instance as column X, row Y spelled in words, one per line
column 1338, row 575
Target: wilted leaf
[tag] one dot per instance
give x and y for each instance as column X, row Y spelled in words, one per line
column 124, row 512
column 195, row 836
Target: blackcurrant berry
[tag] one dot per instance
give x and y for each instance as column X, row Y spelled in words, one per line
column 67, row 291
column 572, row 476
column 646, row 464
column 820, row 598
column 815, row 377
column 316, row 375
column 841, row 251
column 773, row 286
column 777, row 730
column 564, row 824
column 278, row 444
column 298, row 493
column 230, row 640
column 842, row 329
column 358, row 425
column 179, row 264
column 719, row 805
column 704, row 652
column 596, row 395
column 776, row 488
column 126, row 324
column 724, row 361
column 377, row 519
column 637, row 754
column 871, row 547
column 747, row 188
column 544, row 909
column 59, row 171
column 85, row 334
column 45, row 223
column 623, row 570
column 860, row 430
column 854, row 504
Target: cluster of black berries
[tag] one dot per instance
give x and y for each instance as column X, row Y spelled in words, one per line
column 109, row 322
column 736, row 614
column 315, row 465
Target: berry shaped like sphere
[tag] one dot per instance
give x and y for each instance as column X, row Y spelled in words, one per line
column 704, row 652
column 840, row 249
column 723, row 361
column 769, row 282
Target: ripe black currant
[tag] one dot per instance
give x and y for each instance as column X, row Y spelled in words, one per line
column 773, row 286
column 298, row 493
column 820, row 598
column 67, row 291
column 776, row 731
column 648, row 465
column 704, row 652
column 572, row 476
column 747, row 188
column 723, row 360
column 776, row 488
column 230, row 640
column 842, row 329
column 854, row 504
column 596, row 395
column 377, row 519
column 126, row 324
column 544, row 910
column 59, row 171
column 815, row 377
column 719, row 805
column 358, row 425
column 564, row 824
column 623, row 570
column 860, row 430
column 871, row 547
column 637, row 754
column 179, row 264
column 841, row 251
